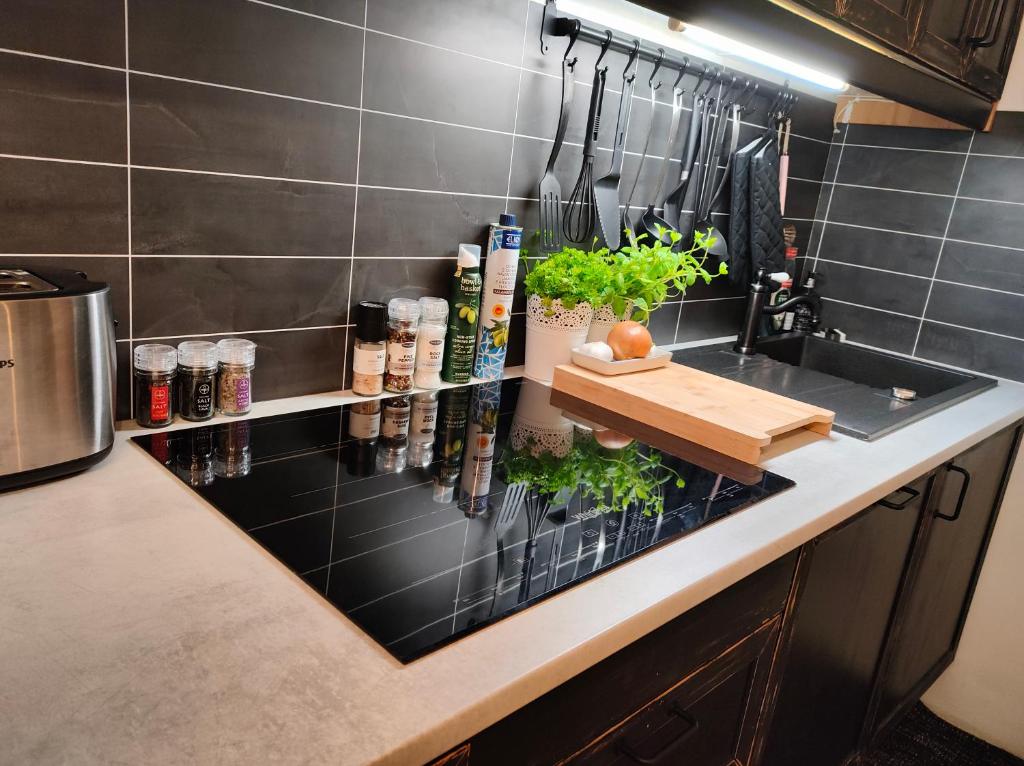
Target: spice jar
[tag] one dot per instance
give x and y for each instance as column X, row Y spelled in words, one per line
column 237, row 358
column 370, row 349
column 394, row 434
column 197, row 379
column 155, row 365
column 403, row 317
column 430, row 343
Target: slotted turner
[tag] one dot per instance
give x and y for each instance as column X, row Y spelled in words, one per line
column 550, row 193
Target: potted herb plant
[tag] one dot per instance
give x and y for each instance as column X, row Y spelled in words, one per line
column 645, row 274
column 561, row 292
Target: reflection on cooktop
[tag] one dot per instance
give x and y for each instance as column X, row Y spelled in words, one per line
column 425, row 517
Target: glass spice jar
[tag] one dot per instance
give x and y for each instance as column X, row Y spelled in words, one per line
column 197, row 379
column 430, row 343
column 370, row 348
column 155, row 365
column 237, row 358
column 403, row 318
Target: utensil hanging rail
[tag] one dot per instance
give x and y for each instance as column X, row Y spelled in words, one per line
column 555, row 25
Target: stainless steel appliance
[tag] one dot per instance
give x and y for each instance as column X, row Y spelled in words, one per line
column 57, row 374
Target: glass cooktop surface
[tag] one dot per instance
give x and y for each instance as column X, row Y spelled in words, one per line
column 425, row 517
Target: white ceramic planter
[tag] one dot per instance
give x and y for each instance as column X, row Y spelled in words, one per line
column 551, row 334
column 538, row 425
column 604, row 320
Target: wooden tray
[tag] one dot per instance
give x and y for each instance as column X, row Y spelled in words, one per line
column 720, row 414
column 659, row 358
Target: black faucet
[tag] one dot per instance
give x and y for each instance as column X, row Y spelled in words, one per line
column 760, row 289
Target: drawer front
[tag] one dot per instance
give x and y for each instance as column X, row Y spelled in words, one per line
column 567, row 718
column 707, row 719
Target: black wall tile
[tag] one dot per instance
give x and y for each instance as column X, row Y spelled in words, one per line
column 181, row 125
column 802, row 198
column 85, row 30
column 898, row 211
column 871, row 327
column 349, row 11
column 977, row 308
column 909, row 138
column 882, row 290
column 112, row 270
column 181, row 296
column 376, row 279
column 901, row 169
column 414, row 154
column 489, row 28
column 54, row 207
column 988, row 354
column 807, row 159
column 995, row 178
column 198, row 214
column 710, row 319
column 402, row 224
column 416, row 80
column 996, row 267
column 1006, row 137
column 248, row 45
column 990, row 223
column 880, row 249
column 663, row 322
column 53, row 109
column 541, row 98
column 123, row 406
column 293, row 362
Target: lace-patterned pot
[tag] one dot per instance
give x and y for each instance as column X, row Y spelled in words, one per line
column 538, row 425
column 604, row 320
column 552, row 332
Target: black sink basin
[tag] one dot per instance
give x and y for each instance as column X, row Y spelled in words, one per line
column 854, row 382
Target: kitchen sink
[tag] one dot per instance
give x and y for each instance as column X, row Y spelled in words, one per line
column 856, row 383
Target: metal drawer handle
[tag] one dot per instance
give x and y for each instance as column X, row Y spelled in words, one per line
column 995, row 20
column 963, row 493
column 912, row 494
column 692, row 726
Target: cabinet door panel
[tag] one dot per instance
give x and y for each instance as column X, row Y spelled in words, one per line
column 707, row 719
column 892, row 21
column 989, row 59
column 946, row 26
column 938, row 593
column 839, row 629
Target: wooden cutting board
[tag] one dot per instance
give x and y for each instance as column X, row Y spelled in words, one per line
column 721, row 414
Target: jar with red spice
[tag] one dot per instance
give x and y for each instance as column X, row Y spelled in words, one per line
column 155, row 366
column 403, row 327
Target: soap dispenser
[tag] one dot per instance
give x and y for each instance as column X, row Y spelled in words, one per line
column 805, row 319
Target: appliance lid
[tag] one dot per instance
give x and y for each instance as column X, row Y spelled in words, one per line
column 20, row 282
column 17, row 282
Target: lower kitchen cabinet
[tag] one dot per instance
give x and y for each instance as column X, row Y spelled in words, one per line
column 938, row 591
column 695, row 684
column 803, row 663
column 849, row 580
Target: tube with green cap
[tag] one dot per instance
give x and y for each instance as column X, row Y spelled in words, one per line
column 463, row 315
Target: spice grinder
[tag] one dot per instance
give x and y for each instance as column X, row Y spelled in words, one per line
column 57, row 374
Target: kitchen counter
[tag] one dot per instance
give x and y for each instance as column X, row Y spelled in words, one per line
column 138, row 625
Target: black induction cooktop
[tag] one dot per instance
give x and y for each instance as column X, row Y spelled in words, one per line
column 423, row 518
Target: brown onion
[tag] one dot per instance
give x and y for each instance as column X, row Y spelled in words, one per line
column 630, row 340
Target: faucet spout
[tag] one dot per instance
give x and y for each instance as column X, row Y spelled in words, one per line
column 760, row 289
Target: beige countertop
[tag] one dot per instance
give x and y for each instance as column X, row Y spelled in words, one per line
column 138, row 625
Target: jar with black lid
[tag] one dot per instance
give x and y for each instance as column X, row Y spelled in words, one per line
column 155, row 365
column 197, row 379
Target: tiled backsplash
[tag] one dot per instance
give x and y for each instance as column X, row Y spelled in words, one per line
column 921, row 245
column 256, row 168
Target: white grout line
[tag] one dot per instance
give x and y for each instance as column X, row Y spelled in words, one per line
column 831, row 194
column 297, row 12
column 240, row 332
column 983, row 244
column 62, row 60
column 515, row 127
column 907, row 149
column 128, row 172
column 348, row 299
column 891, row 189
column 240, row 89
column 62, row 160
column 242, row 175
column 870, row 308
column 980, row 287
column 942, row 245
column 884, row 231
column 871, row 268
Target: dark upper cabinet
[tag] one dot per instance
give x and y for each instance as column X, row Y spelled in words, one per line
column 970, row 40
column 938, row 590
column 851, row 577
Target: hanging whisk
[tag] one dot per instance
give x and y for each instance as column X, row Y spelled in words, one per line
column 581, row 214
